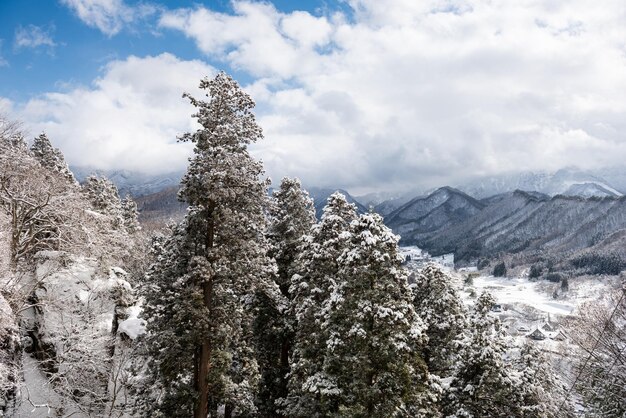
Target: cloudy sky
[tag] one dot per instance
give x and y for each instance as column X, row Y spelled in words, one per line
column 361, row 94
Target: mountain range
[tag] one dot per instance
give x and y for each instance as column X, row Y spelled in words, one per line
column 563, row 212
column 132, row 182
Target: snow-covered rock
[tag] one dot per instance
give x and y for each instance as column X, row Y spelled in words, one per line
column 80, row 311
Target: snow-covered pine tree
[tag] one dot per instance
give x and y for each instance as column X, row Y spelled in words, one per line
column 311, row 392
column 543, row 393
column 50, row 157
column 171, row 308
column 440, row 307
column 292, row 216
column 374, row 334
column 130, row 216
column 483, row 385
column 213, row 263
column 104, row 198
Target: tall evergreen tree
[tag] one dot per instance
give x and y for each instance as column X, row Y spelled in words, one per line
column 374, row 334
column 311, row 391
column 292, row 216
column 440, row 307
column 200, row 329
column 483, row 384
column 50, row 157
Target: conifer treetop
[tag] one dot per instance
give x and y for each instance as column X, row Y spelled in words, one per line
column 227, row 117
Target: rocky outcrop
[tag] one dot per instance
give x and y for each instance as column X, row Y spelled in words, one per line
column 81, row 314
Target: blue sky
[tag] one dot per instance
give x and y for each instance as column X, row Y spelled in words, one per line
column 360, row 94
column 80, row 51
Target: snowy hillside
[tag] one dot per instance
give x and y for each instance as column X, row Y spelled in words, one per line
column 511, row 223
column 423, row 216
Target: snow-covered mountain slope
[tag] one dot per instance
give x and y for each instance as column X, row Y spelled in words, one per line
column 523, row 222
column 591, row 189
column 423, row 216
column 160, row 207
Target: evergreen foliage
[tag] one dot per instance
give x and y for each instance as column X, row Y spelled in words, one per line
column 50, row 157
column 374, row 334
column 130, row 216
column 535, row 271
column 358, row 340
column 292, row 215
column 440, row 307
column 554, row 277
column 542, row 393
column 483, row 384
column 499, row 270
column 594, row 263
column 104, row 198
column 311, row 391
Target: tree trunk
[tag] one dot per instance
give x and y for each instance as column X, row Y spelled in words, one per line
column 202, row 408
column 284, row 365
column 202, row 383
column 228, row 410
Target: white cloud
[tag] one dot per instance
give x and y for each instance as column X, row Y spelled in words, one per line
column 129, row 118
column 6, row 106
column 429, row 92
column 256, row 33
column 398, row 94
column 109, row 16
column 33, row 36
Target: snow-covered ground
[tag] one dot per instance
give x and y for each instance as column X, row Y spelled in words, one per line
column 38, row 396
column 537, row 296
column 519, row 291
column 415, row 258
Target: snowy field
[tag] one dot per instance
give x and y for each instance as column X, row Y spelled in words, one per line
column 520, row 291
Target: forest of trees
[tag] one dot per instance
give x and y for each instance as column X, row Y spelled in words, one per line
column 254, row 308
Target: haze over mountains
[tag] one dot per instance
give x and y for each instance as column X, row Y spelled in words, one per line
column 132, row 182
column 569, row 181
column 562, row 212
